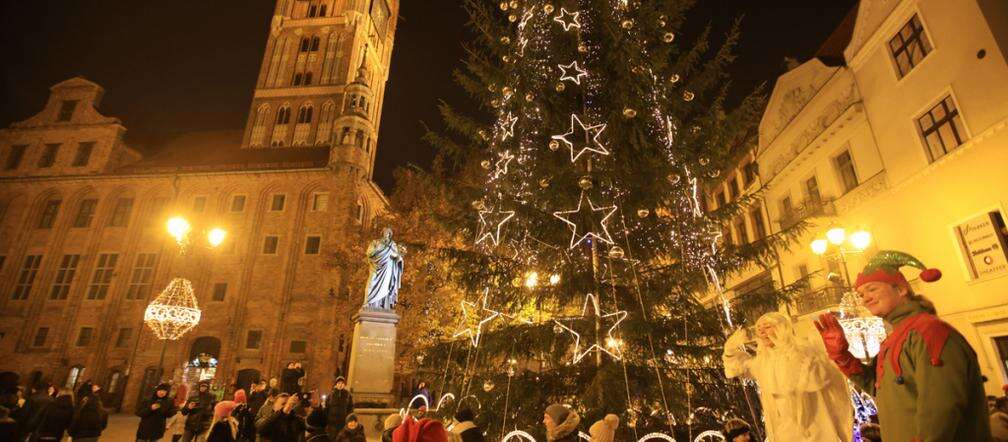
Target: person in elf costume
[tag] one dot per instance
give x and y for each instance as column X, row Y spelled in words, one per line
column 925, row 379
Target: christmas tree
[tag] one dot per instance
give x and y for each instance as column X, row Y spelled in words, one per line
column 593, row 270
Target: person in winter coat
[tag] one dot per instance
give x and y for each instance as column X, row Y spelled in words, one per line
column 423, row 391
column 315, row 423
column 999, row 420
column 353, row 431
column 176, row 423
column 423, row 430
column 154, row 413
column 737, row 430
column 90, row 418
column 8, row 426
column 244, row 413
column 198, row 411
column 289, row 378
column 561, row 424
column 283, row 421
column 223, row 426
column 55, row 419
column 465, row 426
column 604, row 430
column 42, row 395
column 392, row 422
column 338, row 406
column 804, row 396
column 925, row 379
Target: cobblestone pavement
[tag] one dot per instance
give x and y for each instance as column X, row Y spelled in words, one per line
column 121, row 428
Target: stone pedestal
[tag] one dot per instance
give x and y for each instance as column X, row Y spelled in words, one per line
column 372, row 357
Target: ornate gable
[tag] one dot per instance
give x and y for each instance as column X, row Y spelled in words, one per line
column 791, row 93
column 870, row 16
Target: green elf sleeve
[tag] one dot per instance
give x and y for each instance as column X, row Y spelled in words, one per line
column 942, row 390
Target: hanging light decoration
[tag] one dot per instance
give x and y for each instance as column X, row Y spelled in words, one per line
column 864, row 332
column 174, row 312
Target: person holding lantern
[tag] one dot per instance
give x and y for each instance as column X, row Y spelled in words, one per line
column 925, row 379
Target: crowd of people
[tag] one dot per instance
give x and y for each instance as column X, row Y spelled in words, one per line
column 46, row 413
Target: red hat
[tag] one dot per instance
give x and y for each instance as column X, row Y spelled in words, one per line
column 423, row 430
column 884, row 267
column 240, row 397
column 223, row 409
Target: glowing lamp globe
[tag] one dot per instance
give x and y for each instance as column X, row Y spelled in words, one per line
column 174, row 312
column 532, row 279
column 860, row 239
column 216, row 236
column 836, row 235
column 819, row 246
column 178, row 228
column 554, row 279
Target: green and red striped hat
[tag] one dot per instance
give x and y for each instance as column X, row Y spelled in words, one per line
column 884, row 267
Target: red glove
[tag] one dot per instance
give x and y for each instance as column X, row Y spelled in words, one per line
column 836, row 344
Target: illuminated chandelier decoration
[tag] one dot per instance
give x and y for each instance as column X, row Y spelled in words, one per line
column 864, row 332
column 174, row 312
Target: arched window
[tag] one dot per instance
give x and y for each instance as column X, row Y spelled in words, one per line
column 345, row 136
column 296, row 81
column 73, row 376
column 353, row 102
column 312, row 10
column 359, row 139
column 283, row 115
column 314, row 43
column 324, row 129
column 259, row 126
column 305, row 114
column 305, row 44
column 322, row 10
column 307, row 78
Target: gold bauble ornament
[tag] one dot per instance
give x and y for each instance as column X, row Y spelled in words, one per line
column 629, row 112
column 485, row 164
column 488, row 385
column 695, row 129
column 643, row 213
column 560, row 87
column 544, row 183
column 557, row 328
column 674, row 178
column 517, row 281
column 704, row 160
column 585, row 182
column 674, row 78
column 668, row 37
column 506, row 58
column 616, row 252
column 529, row 96
column 554, row 145
column 513, row 4
column 491, row 87
column 512, row 18
column 506, row 91
column 548, row 8
column 662, row 23
column 688, row 96
column 583, row 48
column 482, row 133
column 626, row 24
column 478, row 205
column 503, row 6
column 505, row 40
column 714, row 174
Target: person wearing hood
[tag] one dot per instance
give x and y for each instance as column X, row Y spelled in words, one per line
column 42, row 395
column 245, row 415
column 465, row 426
column 154, row 413
column 290, row 376
column 603, row 430
column 423, row 430
column 392, row 422
column 737, row 430
column 176, row 423
column 90, row 417
column 55, row 419
column 353, row 431
column 223, row 427
column 198, row 411
column 338, row 406
column 925, row 378
column 282, row 421
column 561, row 423
column 804, row 396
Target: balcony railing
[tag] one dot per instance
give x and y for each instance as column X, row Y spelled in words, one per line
column 809, row 209
column 818, row 299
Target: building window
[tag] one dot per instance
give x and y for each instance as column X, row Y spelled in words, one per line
column 359, row 212
column 305, row 44
column 84, row 337
column 733, row 187
column 305, row 114
column 312, row 244
column 740, row 230
column 219, row 291
column 721, row 198
column 142, row 276
column 66, row 110
column 238, row 203
column 85, row 213
column 845, row 167
column 156, row 214
column 283, row 115
column 749, row 172
column 270, row 245
column 102, row 276
column 320, row 201
column 48, row 157
column 15, row 156
column 49, row 213
column 298, row 346
column 942, row 128
column 121, row 213
column 277, row 204
column 124, row 336
column 253, row 339
column 71, row 380
column 64, row 277
column 40, row 337
column 909, row 46
column 83, row 154
column 199, row 204
column 756, row 217
column 314, row 43
column 812, row 190
column 27, row 277
column 786, row 207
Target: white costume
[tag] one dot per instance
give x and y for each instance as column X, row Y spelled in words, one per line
column 804, row 396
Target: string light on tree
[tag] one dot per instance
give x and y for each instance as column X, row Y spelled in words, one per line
column 501, row 166
column 507, row 126
column 576, row 136
column 572, row 72
column 567, row 19
column 472, row 313
column 491, row 223
column 613, row 345
column 598, row 215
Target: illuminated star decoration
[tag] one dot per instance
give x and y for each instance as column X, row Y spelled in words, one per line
column 590, row 132
column 507, row 126
column 501, row 166
column 487, row 218
column 472, row 309
column 578, row 72
column 589, row 212
column 568, row 19
column 618, row 317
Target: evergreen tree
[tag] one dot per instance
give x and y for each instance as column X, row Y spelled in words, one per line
column 592, row 272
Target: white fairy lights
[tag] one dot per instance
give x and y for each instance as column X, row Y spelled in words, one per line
column 615, row 351
column 473, row 310
column 598, row 215
column 572, row 72
column 174, row 312
column 576, row 136
column 491, row 223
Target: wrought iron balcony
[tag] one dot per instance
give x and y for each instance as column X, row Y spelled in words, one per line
column 809, row 209
column 818, row 299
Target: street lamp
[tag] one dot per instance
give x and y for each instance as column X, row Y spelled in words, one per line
column 179, row 228
column 173, row 313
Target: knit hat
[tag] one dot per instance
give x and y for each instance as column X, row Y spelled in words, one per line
column 465, row 414
column 605, row 429
column 735, row 427
column 884, row 267
column 423, row 430
column 240, row 397
column 162, row 386
column 393, row 420
column 223, row 409
column 557, row 412
column 351, row 417
column 340, row 379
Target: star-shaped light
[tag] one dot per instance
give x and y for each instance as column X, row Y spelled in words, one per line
column 507, row 126
column 577, row 71
column 617, row 317
column 568, row 19
column 501, row 166
column 598, row 215
column 587, row 141
column 472, row 309
column 489, row 219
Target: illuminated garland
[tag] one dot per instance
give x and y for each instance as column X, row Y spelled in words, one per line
column 174, row 312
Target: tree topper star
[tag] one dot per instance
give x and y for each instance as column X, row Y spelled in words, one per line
column 486, row 231
column 588, row 143
column 610, row 341
column 501, row 166
column 589, row 213
column 474, row 309
column 568, row 19
column 507, row 126
column 578, row 72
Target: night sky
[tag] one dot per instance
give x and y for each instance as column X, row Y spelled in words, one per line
column 175, row 67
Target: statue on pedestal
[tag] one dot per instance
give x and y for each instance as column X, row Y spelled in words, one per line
column 386, row 273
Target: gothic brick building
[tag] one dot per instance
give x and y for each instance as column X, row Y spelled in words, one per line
column 83, row 247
